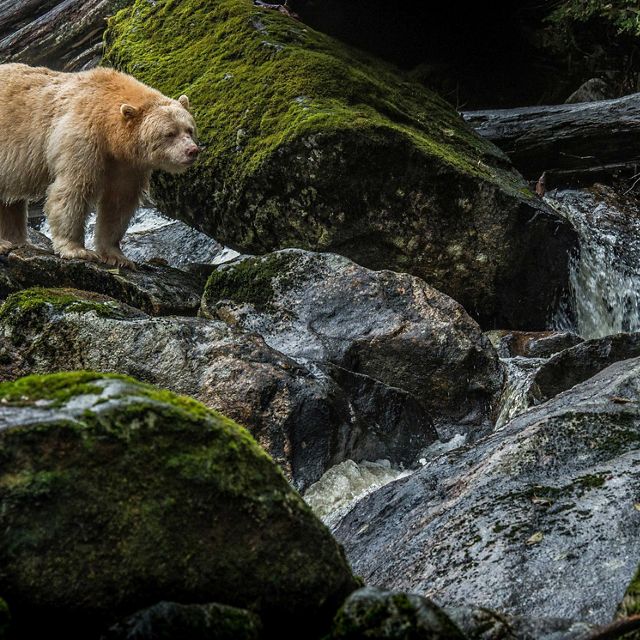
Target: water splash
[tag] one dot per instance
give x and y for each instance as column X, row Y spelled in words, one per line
column 605, row 278
column 342, row 486
column 519, row 374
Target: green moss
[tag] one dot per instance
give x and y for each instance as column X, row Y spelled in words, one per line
column 70, row 300
column 130, row 494
column 630, row 605
column 250, row 281
column 259, row 80
column 57, row 388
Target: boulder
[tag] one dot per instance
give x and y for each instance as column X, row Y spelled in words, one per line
column 539, row 519
column 158, row 290
column 372, row 613
column 172, row 621
column 313, row 144
column 581, row 362
column 386, row 615
column 306, row 418
column 115, row 495
column 392, row 327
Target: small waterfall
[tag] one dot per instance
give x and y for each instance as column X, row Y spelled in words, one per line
column 345, row 484
column 519, row 373
column 605, row 278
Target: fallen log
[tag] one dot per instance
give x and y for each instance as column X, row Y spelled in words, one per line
column 61, row 34
column 569, row 140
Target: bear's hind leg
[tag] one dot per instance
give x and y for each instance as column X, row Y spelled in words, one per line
column 66, row 209
column 13, row 225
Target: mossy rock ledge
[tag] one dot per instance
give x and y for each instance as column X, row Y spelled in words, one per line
column 115, row 495
column 313, row 144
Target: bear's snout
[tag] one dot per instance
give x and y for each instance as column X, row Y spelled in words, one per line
column 193, row 151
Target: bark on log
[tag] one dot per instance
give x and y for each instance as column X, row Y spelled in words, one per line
column 570, row 139
column 61, row 34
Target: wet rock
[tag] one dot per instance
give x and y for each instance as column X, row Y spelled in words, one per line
column 301, row 416
column 372, row 613
column 172, row 621
column 312, row 144
column 539, row 519
column 158, row 290
column 375, row 613
column 574, row 365
column 531, row 344
column 590, row 91
column 392, row 327
column 115, row 495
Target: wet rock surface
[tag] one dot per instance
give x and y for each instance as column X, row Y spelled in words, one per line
column 389, row 326
column 155, row 289
column 161, row 498
column 551, row 494
column 531, row 344
column 583, row 361
column 386, row 615
column 305, row 418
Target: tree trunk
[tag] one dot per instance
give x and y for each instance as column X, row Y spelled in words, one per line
column 566, row 140
column 61, row 34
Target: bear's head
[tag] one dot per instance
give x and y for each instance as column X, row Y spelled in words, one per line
column 166, row 134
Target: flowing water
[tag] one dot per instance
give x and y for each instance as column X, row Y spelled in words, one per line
column 605, row 278
column 519, row 372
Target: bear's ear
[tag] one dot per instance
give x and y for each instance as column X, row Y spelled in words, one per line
column 184, row 101
column 128, row 111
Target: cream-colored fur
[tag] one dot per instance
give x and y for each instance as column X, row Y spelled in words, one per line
column 84, row 139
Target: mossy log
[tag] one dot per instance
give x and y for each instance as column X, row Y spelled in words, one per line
column 567, row 141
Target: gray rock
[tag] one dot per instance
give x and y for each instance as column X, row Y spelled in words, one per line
column 301, row 416
column 173, row 621
column 158, row 290
column 590, row 91
column 390, row 326
column 536, row 520
column 581, row 362
column 531, row 344
column 385, row 615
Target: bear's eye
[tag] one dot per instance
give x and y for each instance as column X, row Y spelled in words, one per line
column 190, row 131
column 170, row 134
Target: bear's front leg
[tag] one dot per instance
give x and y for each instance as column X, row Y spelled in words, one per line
column 116, row 207
column 66, row 209
column 13, row 225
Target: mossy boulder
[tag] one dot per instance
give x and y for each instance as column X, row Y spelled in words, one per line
column 313, row 144
column 115, row 495
column 174, row 621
